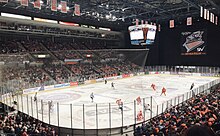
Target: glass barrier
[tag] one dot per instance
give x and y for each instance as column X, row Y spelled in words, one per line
column 102, row 115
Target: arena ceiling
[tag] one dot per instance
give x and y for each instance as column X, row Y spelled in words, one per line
column 126, row 11
column 151, row 10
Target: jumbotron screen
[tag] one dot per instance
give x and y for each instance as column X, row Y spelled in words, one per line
column 142, row 34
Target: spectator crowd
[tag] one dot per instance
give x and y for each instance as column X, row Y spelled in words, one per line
column 55, row 30
column 19, row 124
column 196, row 115
column 200, row 113
column 78, row 60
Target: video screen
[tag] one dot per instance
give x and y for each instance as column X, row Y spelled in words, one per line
column 142, row 34
column 137, row 35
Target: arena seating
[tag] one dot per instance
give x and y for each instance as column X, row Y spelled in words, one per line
column 57, row 72
column 93, row 62
column 32, row 45
column 203, row 110
column 19, row 124
column 53, row 30
column 31, row 75
column 10, row 47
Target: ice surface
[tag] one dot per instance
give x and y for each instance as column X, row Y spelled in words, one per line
column 104, row 108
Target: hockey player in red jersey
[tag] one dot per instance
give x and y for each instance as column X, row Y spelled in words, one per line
column 163, row 91
column 153, row 86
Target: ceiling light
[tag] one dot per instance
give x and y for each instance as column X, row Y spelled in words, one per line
column 107, row 16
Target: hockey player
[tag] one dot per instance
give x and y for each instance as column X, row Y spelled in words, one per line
column 113, row 85
column 192, row 86
column 51, row 105
column 147, row 107
column 120, row 104
column 140, row 116
column 138, row 99
column 153, row 86
column 105, row 81
column 163, row 91
column 193, row 93
column 92, row 96
column 35, row 97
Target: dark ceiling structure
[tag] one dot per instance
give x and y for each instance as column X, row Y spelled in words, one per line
column 124, row 11
column 151, row 10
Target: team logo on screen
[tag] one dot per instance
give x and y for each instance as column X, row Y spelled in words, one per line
column 193, row 41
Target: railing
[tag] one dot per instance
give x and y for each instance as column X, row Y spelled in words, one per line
column 104, row 118
column 8, row 134
column 55, row 33
column 190, row 69
column 12, row 134
column 17, row 85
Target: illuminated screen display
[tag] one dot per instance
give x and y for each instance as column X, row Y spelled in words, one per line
column 142, row 34
column 136, row 35
column 151, row 32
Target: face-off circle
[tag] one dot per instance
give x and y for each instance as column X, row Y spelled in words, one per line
column 60, row 97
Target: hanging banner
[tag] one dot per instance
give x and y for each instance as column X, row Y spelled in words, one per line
column 159, row 27
column 37, row 4
column 205, row 14
column 63, row 6
column 208, row 15
column 4, row 1
column 54, row 5
column 193, row 42
column 189, row 21
column 137, row 22
column 171, row 23
column 213, row 18
column 24, row 2
column 77, row 10
column 201, row 11
column 146, row 22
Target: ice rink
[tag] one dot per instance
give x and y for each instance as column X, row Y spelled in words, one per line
column 104, row 112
